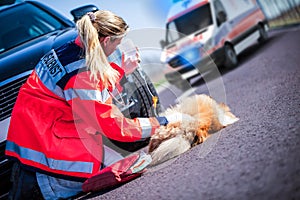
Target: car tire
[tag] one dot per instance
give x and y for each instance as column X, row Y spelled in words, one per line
column 143, row 91
column 231, row 59
column 263, row 34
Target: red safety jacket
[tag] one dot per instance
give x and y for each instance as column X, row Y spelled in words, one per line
column 60, row 115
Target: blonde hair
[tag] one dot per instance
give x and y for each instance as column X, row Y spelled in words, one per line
column 91, row 27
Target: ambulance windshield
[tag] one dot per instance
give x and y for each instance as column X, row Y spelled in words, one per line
column 189, row 23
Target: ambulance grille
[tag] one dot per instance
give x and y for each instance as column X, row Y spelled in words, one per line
column 8, row 95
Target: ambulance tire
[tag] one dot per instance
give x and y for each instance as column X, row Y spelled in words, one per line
column 263, row 35
column 230, row 57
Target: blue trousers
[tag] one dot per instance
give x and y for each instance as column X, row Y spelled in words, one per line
column 24, row 184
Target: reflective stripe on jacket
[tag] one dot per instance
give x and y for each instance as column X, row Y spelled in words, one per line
column 60, row 115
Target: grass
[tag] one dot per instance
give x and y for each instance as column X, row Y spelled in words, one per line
column 289, row 18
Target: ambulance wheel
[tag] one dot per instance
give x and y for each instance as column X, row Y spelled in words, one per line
column 263, row 35
column 231, row 60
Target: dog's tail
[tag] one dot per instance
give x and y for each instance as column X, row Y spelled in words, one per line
column 169, row 149
column 225, row 116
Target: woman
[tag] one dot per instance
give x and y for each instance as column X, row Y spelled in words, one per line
column 63, row 110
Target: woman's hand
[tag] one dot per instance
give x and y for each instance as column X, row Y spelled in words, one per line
column 130, row 63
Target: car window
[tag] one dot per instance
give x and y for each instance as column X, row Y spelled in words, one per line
column 23, row 23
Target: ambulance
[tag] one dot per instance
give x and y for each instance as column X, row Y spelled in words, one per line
column 201, row 34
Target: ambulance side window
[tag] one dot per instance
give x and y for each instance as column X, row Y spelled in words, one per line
column 220, row 12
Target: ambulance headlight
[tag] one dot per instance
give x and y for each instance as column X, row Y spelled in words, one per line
column 191, row 55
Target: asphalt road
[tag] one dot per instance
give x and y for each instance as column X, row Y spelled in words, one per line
column 255, row 158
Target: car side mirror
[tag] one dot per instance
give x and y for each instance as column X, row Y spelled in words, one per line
column 77, row 13
column 162, row 43
column 222, row 17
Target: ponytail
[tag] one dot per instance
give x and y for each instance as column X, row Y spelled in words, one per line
column 96, row 60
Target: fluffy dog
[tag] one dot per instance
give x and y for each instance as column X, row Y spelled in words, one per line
column 207, row 117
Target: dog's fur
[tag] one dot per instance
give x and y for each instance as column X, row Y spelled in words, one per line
column 207, row 117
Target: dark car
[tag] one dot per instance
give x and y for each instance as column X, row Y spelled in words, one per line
column 30, row 29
